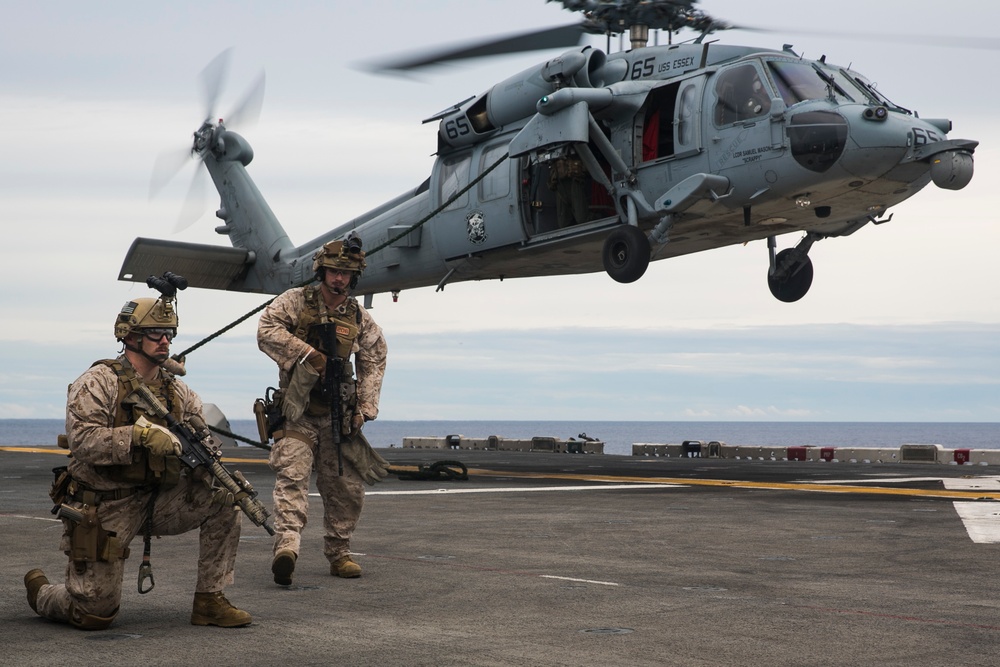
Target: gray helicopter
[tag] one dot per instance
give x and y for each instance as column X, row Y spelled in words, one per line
column 594, row 160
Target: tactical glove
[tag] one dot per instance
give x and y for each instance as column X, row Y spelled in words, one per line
column 369, row 463
column 155, row 438
column 317, row 360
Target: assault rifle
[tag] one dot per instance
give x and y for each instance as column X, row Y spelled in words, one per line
column 196, row 453
column 333, row 377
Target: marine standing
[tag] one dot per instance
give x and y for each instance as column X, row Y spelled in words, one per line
column 312, row 332
column 124, row 478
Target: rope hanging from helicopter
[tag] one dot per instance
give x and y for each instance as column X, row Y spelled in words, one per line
column 420, row 223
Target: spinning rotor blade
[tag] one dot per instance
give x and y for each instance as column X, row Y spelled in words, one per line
column 170, row 163
column 195, row 202
column 166, row 167
column 947, row 41
column 212, row 78
column 549, row 38
column 247, row 112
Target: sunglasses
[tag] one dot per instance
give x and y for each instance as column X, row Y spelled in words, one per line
column 156, row 334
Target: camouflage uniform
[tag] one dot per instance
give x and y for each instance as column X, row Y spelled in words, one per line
column 308, row 441
column 91, row 595
column 568, row 179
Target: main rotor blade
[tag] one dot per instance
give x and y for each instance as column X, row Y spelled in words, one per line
column 212, row 78
column 549, row 38
column 947, row 41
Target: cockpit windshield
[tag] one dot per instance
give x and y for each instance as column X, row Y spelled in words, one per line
column 799, row 81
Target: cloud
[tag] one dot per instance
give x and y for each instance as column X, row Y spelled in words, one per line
column 84, row 115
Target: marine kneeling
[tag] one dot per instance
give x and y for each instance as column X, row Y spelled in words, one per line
column 124, row 478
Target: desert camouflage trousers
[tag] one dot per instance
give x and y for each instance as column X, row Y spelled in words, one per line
column 96, row 591
column 293, row 459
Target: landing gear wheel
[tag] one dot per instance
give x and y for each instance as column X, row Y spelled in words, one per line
column 626, row 254
column 793, row 286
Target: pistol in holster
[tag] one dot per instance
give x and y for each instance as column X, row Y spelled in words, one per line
column 267, row 412
column 89, row 542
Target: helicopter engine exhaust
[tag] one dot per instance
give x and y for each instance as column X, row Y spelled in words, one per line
column 515, row 98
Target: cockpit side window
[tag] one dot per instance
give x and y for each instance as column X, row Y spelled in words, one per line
column 741, row 94
column 454, row 176
column 496, row 184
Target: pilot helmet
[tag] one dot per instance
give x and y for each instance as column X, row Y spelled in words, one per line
column 345, row 255
column 146, row 313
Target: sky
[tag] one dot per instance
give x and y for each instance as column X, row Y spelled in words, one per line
column 901, row 323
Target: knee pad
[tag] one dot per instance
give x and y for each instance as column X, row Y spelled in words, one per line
column 83, row 621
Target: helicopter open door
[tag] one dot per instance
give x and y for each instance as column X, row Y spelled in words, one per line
column 671, row 126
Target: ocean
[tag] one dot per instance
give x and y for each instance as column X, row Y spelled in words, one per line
column 619, row 436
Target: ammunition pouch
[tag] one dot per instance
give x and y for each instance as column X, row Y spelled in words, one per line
column 147, row 468
column 267, row 412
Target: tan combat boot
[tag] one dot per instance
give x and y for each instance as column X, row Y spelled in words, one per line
column 345, row 567
column 33, row 581
column 282, row 567
column 215, row 609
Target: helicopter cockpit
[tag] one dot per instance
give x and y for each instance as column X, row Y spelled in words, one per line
column 741, row 95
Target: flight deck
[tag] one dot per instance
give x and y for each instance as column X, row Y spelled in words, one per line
column 567, row 559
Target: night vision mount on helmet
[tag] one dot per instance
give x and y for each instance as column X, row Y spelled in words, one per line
column 150, row 313
column 345, row 255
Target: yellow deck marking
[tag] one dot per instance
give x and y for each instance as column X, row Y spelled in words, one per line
column 744, row 484
column 64, row 452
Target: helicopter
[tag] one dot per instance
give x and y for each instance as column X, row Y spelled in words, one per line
column 593, row 160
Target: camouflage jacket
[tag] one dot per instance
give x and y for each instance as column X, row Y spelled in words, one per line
column 276, row 340
column 95, row 443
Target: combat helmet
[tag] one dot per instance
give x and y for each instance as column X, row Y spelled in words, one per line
column 145, row 313
column 149, row 313
column 345, row 255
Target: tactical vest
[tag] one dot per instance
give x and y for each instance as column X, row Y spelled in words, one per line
column 145, row 468
column 346, row 325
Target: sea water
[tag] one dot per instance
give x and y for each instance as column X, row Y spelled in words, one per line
column 618, row 436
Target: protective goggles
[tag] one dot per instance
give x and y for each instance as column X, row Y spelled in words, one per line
column 156, row 334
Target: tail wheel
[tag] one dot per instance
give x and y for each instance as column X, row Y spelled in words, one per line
column 626, row 254
column 793, row 284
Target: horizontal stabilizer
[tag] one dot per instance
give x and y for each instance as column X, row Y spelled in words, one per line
column 208, row 266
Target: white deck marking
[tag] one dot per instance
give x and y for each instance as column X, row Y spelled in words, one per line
column 981, row 518
column 520, row 489
column 582, row 581
column 982, row 521
column 972, row 483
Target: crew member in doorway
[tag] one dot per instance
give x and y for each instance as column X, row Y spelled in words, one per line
column 569, row 180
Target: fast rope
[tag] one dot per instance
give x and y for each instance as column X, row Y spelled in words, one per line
column 374, row 250
column 439, row 470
